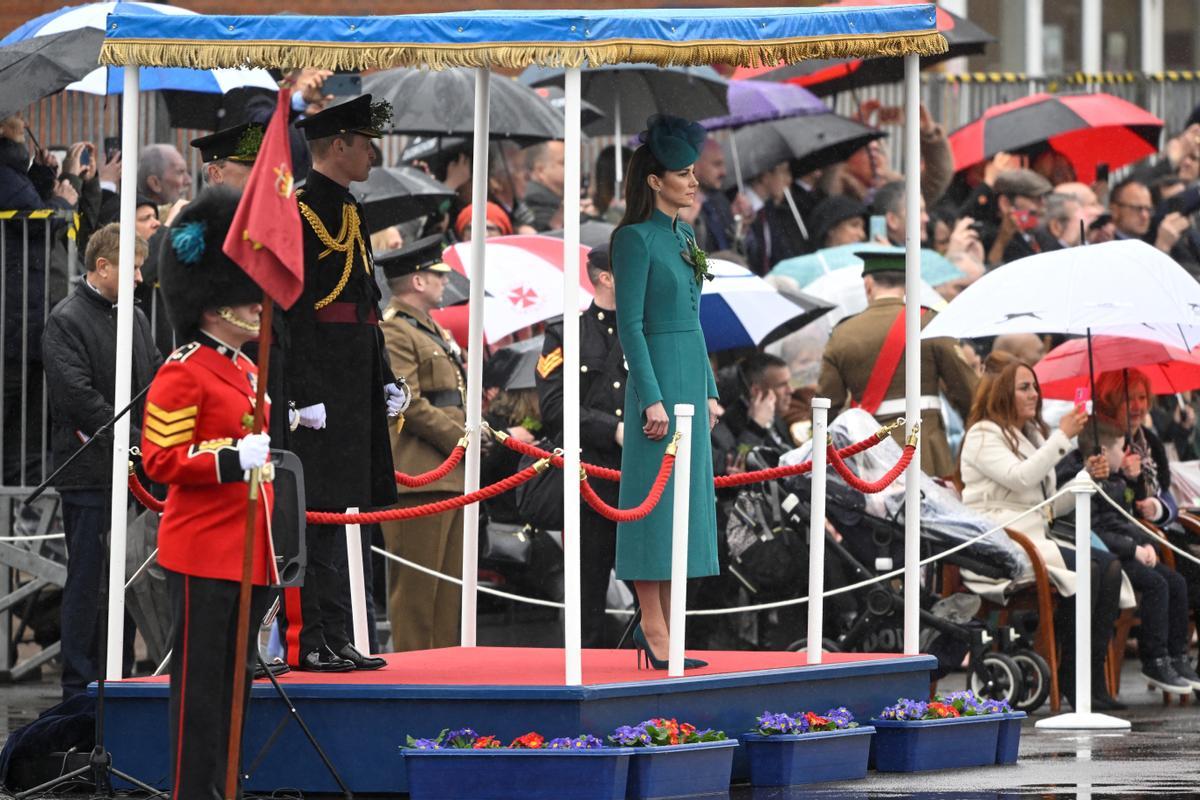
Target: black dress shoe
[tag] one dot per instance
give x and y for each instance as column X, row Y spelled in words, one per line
column 324, row 660
column 277, row 666
column 350, row 653
column 1103, row 701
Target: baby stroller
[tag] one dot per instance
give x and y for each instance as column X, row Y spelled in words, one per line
column 870, row 542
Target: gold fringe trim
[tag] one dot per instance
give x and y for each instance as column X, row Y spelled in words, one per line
column 208, row 54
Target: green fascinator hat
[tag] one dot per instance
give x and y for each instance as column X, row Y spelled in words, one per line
column 674, row 141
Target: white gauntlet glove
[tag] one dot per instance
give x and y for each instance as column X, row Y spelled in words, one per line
column 312, row 416
column 397, row 397
column 253, row 450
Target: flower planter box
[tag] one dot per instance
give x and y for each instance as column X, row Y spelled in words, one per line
column 794, row 759
column 504, row 774
column 682, row 770
column 920, row 745
column 1008, row 739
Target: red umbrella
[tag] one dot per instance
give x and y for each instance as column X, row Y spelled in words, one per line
column 1065, row 368
column 826, row 76
column 1089, row 129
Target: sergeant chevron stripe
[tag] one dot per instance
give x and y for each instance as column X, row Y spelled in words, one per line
column 168, row 428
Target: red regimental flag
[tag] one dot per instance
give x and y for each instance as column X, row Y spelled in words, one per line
column 265, row 239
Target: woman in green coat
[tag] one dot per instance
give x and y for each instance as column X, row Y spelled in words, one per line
column 658, row 272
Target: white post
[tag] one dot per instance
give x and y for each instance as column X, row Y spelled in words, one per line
column 1034, row 62
column 1152, row 35
column 1083, row 718
column 1092, row 33
column 121, row 393
column 358, row 590
column 737, row 162
column 572, row 630
column 618, row 143
column 816, row 532
column 912, row 350
column 681, row 479
column 959, row 8
column 479, row 163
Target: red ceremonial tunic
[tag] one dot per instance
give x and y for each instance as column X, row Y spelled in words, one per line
column 200, row 404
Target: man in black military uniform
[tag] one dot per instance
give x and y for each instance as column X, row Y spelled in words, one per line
column 601, row 430
column 340, row 380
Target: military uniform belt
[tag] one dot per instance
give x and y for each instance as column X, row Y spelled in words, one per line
column 346, row 313
column 444, row 398
column 894, row 408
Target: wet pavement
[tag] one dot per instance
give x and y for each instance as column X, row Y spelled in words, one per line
column 1157, row 759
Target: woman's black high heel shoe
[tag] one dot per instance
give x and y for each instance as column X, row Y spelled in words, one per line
column 643, row 648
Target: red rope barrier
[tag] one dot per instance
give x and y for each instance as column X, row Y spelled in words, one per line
column 871, row 487
column 642, row 510
column 533, row 451
column 428, row 509
column 143, row 496
column 426, row 478
column 720, row 481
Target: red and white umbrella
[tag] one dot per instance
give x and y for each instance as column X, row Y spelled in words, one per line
column 1089, row 129
column 522, row 281
column 1065, row 368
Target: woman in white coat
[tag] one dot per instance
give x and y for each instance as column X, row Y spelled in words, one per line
column 1007, row 462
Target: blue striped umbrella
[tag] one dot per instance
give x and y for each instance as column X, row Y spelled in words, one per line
column 739, row 309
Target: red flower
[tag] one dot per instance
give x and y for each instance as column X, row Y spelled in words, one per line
column 814, row 720
column 687, row 729
column 485, row 743
column 530, row 741
column 943, row 710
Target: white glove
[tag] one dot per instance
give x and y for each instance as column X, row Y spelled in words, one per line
column 397, row 398
column 312, row 416
column 253, row 450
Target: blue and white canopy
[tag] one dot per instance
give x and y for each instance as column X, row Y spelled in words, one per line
column 103, row 80
column 520, row 38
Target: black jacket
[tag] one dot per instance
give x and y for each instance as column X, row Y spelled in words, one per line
column 79, row 352
column 544, row 204
column 602, row 379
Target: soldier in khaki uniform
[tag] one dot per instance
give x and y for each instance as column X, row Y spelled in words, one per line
column 424, row 611
column 857, row 349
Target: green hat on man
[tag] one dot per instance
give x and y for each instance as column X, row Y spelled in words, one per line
column 882, row 260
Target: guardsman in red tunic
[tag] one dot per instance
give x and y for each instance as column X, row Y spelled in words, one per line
column 196, row 438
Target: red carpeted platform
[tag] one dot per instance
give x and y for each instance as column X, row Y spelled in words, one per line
column 362, row 718
column 543, row 666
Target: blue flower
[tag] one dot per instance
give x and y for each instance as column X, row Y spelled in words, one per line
column 424, row 744
column 463, row 737
column 587, row 742
column 187, row 241
column 630, row 736
column 561, row 743
column 840, row 717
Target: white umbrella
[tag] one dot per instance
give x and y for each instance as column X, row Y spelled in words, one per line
column 1125, row 288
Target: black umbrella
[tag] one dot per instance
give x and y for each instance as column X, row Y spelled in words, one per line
column 826, row 76
column 629, row 93
column 392, row 195
column 40, row 66
column 556, row 97
column 442, row 103
column 809, row 142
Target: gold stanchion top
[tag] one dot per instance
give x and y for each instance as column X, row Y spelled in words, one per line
column 541, row 465
column 914, row 435
column 673, row 447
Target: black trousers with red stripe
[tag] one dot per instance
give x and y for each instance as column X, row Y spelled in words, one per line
column 204, row 639
column 320, row 612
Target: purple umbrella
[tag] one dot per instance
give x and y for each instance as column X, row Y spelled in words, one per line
column 759, row 101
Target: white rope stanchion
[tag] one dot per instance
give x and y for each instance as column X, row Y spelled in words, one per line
column 1082, row 718
column 816, row 530
column 1158, row 540
column 41, row 537
column 533, row 601
column 679, row 535
column 358, row 594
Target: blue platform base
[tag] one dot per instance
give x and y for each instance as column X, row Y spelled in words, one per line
column 362, row 719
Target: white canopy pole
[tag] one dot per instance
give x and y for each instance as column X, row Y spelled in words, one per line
column 124, row 371
column 1033, row 39
column 1091, row 32
column 572, row 633
column 479, row 164
column 912, row 349
column 618, row 144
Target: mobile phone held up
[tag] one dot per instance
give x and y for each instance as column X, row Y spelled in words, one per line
column 1083, row 400
column 112, row 146
column 343, row 85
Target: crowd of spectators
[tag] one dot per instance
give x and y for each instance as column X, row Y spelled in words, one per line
column 1013, row 206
